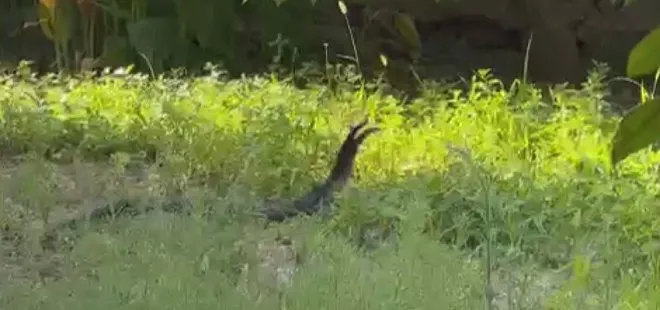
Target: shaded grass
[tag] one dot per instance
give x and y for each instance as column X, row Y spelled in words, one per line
column 176, row 263
column 558, row 213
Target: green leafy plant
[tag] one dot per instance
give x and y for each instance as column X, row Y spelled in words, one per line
column 57, row 19
column 164, row 35
column 640, row 127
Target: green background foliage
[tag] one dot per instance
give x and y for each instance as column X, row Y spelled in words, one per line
column 160, row 35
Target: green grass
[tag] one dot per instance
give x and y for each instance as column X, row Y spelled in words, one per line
column 483, row 177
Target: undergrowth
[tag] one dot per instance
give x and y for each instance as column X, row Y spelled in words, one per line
column 474, row 180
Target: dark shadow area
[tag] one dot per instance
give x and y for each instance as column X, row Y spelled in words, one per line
column 259, row 37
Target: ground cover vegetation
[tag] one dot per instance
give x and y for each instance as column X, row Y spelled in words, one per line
column 482, row 194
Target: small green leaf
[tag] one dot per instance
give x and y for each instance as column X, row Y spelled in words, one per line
column 638, row 129
column 645, row 56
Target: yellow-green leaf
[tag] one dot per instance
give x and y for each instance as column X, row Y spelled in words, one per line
column 64, row 20
column 45, row 20
column 645, row 56
column 638, row 129
column 50, row 4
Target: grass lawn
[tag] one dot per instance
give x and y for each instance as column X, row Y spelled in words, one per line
column 488, row 193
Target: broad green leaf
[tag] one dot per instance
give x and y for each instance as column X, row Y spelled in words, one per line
column 64, row 20
column 152, row 36
column 45, row 20
column 645, row 56
column 405, row 25
column 56, row 19
column 638, row 129
column 116, row 51
column 50, row 4
column 212, row 24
